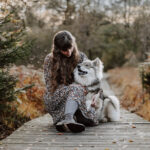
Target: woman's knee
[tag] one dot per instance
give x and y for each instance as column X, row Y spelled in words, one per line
column 76, row 92
column 72, row 87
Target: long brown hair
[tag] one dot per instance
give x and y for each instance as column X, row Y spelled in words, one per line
column 61, row 66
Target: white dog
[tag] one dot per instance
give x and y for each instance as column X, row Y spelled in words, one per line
column 89, row 74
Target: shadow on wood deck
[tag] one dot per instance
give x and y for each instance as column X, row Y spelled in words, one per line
column 131, row 132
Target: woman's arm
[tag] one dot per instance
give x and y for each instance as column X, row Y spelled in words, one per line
column 47, row 71
column 82, row 57
column 51, row 104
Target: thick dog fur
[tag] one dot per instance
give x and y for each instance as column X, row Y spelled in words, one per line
column 89, row 74
column 109, row 108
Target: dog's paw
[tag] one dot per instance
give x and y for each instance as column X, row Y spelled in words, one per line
column 95, row 103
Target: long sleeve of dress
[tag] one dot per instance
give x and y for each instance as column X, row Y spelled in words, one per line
column 82, row 57
column 47, row 73
column 50, row 103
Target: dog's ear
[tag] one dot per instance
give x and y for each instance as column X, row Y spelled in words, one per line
column 96, row 62
column 99, row 65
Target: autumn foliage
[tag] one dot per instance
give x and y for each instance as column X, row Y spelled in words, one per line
column 127, row 81
column 30, row 102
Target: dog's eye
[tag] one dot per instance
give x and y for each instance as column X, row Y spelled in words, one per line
column 86, row 65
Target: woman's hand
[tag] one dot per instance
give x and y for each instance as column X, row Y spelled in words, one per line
column 85, row 91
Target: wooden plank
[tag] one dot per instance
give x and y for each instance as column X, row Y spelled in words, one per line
column 113, row 147
column 85, row 140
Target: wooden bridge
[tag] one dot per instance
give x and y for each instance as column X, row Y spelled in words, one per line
column 130, row 133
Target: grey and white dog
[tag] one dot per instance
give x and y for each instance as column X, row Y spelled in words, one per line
column 89, row 74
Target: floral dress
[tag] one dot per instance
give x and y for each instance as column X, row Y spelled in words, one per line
column 55, row 103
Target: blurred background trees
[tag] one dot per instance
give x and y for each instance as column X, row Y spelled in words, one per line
column 114, row 30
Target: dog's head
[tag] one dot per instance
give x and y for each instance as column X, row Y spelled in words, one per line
column 88, row 72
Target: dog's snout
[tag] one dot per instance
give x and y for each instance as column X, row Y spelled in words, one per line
column 78, row 66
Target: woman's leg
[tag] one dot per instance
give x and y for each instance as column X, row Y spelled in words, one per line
column 57, row 104
column 70, row 109
column 69, row 123
column 76, row 104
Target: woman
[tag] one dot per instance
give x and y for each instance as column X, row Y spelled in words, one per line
column 63, row 99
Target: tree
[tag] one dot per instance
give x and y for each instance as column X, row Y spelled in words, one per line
column 12, row 49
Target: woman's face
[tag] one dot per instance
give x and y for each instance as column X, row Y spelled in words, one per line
column 67, row 53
